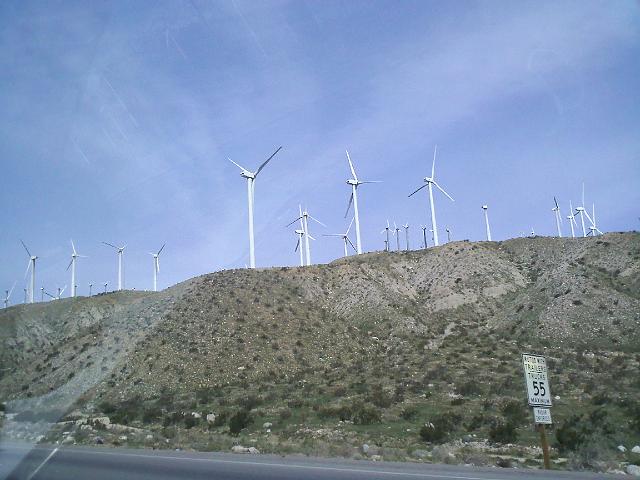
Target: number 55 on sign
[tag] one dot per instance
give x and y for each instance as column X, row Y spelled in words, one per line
column 535, row 374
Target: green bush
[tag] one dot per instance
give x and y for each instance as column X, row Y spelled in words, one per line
column 242, row 419
column 469, row 388
column 503, row 432
column 515, row 412
column 106, row 407
column 439, row 428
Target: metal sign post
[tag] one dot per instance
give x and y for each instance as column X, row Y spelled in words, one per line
column 539, row 397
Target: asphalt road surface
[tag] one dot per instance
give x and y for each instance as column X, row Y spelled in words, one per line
column 104, row 463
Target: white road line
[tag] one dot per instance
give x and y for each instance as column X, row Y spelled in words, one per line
column 267, row 464
column 42, row 464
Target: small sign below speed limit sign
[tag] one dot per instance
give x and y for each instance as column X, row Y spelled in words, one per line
column 535, row 374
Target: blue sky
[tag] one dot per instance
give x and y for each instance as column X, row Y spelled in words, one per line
column 117, row 119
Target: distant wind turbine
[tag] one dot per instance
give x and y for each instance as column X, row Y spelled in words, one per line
column 156, row 267
column 572, row 220
column 105, row 286
column 448, row 234
column 7, row 295
column 429, row 182
column 31, row 265
column 395, row 232
column 424, row 235
column 300, row 233
column 486, row 219
column 90, row 288
column 120, row 250
column 593, row 229
column 386, row 229
column 251, row 178
column 354, row 182
column 304, row 219
column 406, row 235
column 72, row 264
column 345, row 238
column 558, row 215
column 582, row 212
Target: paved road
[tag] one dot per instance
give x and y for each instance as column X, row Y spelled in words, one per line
column 103, row 463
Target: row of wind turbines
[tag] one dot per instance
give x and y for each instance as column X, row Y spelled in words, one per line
column 29, row 291
column 303, row 234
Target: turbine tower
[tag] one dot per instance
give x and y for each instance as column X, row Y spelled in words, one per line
column 572, row 220
column 119, row 250
column 556, row 210
column 430, row 182
column 486, row 220
column 582, row 212
column 300, row 234
column 354, row 182
column 593, row 229
column 31, row 265
column 105, row 286
column 90, row 287
column 72, row 264
column 7, row 295
column 406, row 235
column 448, row 230
column 345, row 238
column 395, row 232
column 251, row 178
column 156, row 267
column 386, row 229
column 424, row 235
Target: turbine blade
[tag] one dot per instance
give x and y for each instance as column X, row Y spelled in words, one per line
column 110, row 245
column 161, row 248
column 556, row 202
column 316, row 220
column 352, row 245
column 11, row 291
column 442, row 190
column 289, row 224
column 297, row 245
column 69, row 266
column 350, row 224
column 433, row 165
column 238, row 165
column 370, row 181
column 309, row 235
column 26, row 272
column 333, row 234
column 353, row 171
column 416, row 191
column 267, row 161
column 73, row 247
column 25, row 247
column 583, row 194
column 349, row 205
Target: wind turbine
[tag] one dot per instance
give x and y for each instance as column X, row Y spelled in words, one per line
column 42, row 294
column 593, row 229
column 156, row 267
column 582, row 212
column 556, row 210
column 395, row 232
column 448, row 234
column 31, row 265
column 72, row 264
column 354, row 182
column 406, row 235
column 486, row 219
column 119, row 250
column 429, row 182
column 7, row 295
column 251, row 178
column 572, row 220
column 424, row 235
column 345, row 238
column 386, row 229
column 60, row 292
column 304, row 222
column 300, row 234
column 105, row 286
column 90, row 287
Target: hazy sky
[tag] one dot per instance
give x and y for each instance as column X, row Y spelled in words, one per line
column 117, row 118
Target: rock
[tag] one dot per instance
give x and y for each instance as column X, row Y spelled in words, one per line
column 99, row 441
column 557, row 397
column 253, row 450
column 365, row 448
column 267, row 425
column 376, row 458
column 81, row 421
column 86, row 427
column 149, row 437
column 211, row 417
column 636, row 449
column 123, row 438
column 239, row 449
column 621, row 448
column 104, row 421
column 39, row 438
column 467, row 439
column 633, row 470
column 196, row 415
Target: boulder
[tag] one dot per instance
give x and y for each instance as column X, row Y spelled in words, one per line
column 621, row 448
column 376, row 458
column 239, row 449
column 99, row 441
column 365, row 448
column 267, row 425
column 633, row 470
column 123, row 438
column 253, row 450
column 196, row 415
column 103, row 421
column 636, row 449
column 211, row 417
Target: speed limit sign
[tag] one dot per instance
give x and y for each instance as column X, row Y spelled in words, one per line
column 535, row 374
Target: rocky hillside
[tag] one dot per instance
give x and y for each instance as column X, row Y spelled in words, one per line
column 386, row 340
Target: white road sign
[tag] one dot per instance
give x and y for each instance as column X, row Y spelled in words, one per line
column 535, row 374
column 542, row 415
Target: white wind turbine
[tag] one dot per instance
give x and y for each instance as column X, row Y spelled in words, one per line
column 345, row 238
column 120, row 250
column 448, row 230
column 304, row 223
column 354, row 182
column 7, row 295
column 105, row 286
column 424, row 235
column 300, row 233
column 31, row 265
column 572, row 220
column 74, row 256
column 406, row 235
column 386, row 229
column 593, row 229
column 395, row 232
column 156, row 267
column 90, row 288
column 486, row 220
column 582, row 212
column 558, row 215
column 429, row 182
column 60, row 292
column 251, row 178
